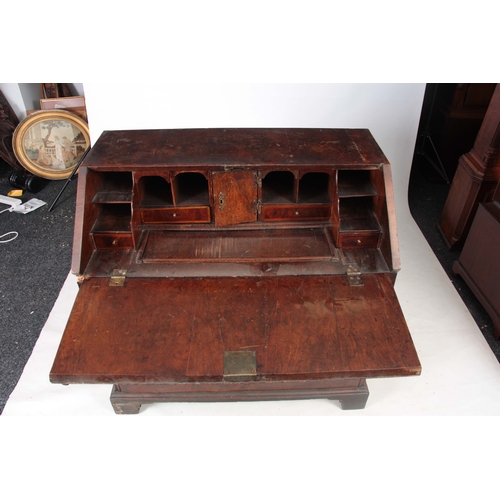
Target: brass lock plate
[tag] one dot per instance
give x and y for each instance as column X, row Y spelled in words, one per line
column 118, row 277
column 240, row 366
column 354, row 275
column 222, row 201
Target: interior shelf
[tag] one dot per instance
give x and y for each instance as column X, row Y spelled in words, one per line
column 191, row 189
column 353, row 183
column 113, row 218
column 313, row 188
column 278, row 188
column 358, row 215
column 116, row 187
column 156, row 192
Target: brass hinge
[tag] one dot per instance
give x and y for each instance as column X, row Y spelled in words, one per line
column 354, row 275
column 257, row 208
column 230, row 168
column 118, row 277
column 240, row 366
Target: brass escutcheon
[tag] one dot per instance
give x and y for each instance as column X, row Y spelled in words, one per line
column 240, row 366
column 222, row 201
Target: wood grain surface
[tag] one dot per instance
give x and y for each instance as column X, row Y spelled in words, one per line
column 178, row 330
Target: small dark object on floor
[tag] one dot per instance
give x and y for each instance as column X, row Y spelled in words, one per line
column 27, row 182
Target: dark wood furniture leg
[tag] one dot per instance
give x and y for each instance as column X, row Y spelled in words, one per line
column 128, row 398
column 458, row 269
column 356, row 401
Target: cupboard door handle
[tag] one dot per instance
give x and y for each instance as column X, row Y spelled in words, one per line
column 222, row 201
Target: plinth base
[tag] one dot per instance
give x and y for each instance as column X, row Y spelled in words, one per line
column 128, row 398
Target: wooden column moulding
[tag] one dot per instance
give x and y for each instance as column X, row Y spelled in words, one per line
column 477, row 174
column 235, row 265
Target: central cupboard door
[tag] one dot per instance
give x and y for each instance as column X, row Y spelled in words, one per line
column 235, row 197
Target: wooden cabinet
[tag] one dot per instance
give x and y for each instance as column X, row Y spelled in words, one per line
column 477, row 175
column 460, row 109
column 235, row 264
column 479, row 262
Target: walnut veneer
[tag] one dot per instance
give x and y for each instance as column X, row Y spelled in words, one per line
column 278, row 245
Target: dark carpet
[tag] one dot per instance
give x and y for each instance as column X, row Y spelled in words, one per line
column 33, row 268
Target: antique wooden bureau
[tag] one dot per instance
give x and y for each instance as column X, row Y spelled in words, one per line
column 235, row 265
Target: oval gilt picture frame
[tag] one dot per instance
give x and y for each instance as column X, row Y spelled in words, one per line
column 49, row 144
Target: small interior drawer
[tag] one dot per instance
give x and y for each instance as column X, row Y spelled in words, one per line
column 295, row 212
column 359, row 240
column 177, row 215
column 113, row 240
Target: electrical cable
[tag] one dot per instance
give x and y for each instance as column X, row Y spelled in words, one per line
column 15, row 233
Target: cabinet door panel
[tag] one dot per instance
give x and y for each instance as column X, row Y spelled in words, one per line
column 235, row 197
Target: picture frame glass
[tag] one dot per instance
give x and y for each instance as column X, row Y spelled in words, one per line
column 51, row 143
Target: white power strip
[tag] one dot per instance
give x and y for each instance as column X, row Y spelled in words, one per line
column 7, row 200
column 25, row 208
